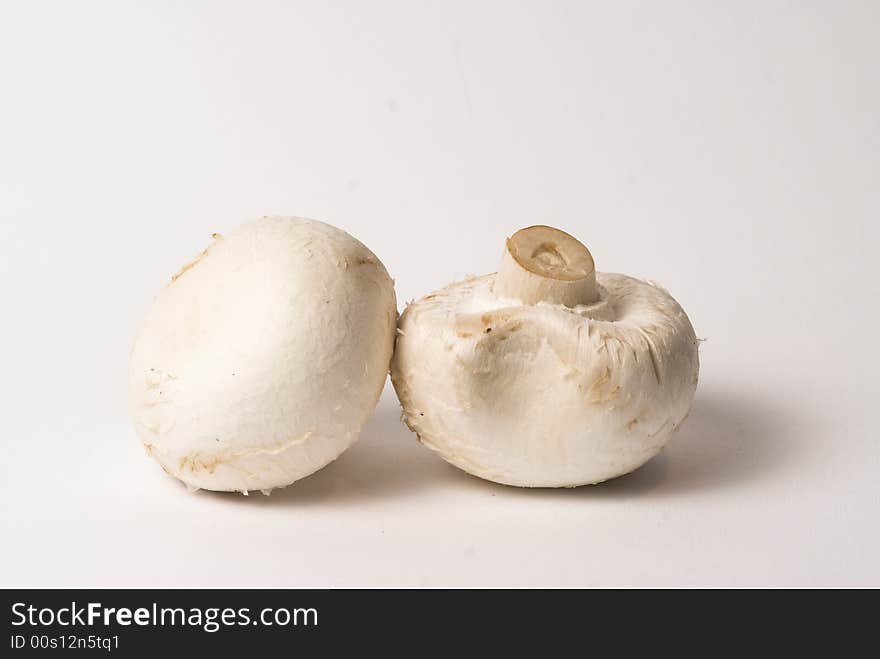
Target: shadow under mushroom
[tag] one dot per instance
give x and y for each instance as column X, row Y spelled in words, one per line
column 728, row 439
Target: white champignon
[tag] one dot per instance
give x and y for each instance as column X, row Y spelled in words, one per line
column 546, row 374
column 261, row 360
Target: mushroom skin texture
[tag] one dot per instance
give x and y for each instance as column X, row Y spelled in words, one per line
column 546, row 392
column 261, row 360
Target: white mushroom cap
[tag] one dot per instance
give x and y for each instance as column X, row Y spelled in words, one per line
column 262, row 359
column 546, row 392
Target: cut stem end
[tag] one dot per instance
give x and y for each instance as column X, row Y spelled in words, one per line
column 543, row 264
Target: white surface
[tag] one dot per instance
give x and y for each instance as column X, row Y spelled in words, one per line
column 726, row 150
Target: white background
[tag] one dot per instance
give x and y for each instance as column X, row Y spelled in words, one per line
column 730, row 151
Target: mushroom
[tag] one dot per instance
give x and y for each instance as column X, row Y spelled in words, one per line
column 261, row 360
column 546, row 374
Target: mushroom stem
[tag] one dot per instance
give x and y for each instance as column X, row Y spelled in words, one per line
column 543, row 264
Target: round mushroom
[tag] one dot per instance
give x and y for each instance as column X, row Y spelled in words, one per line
column 546, row 374
column 261, row 360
